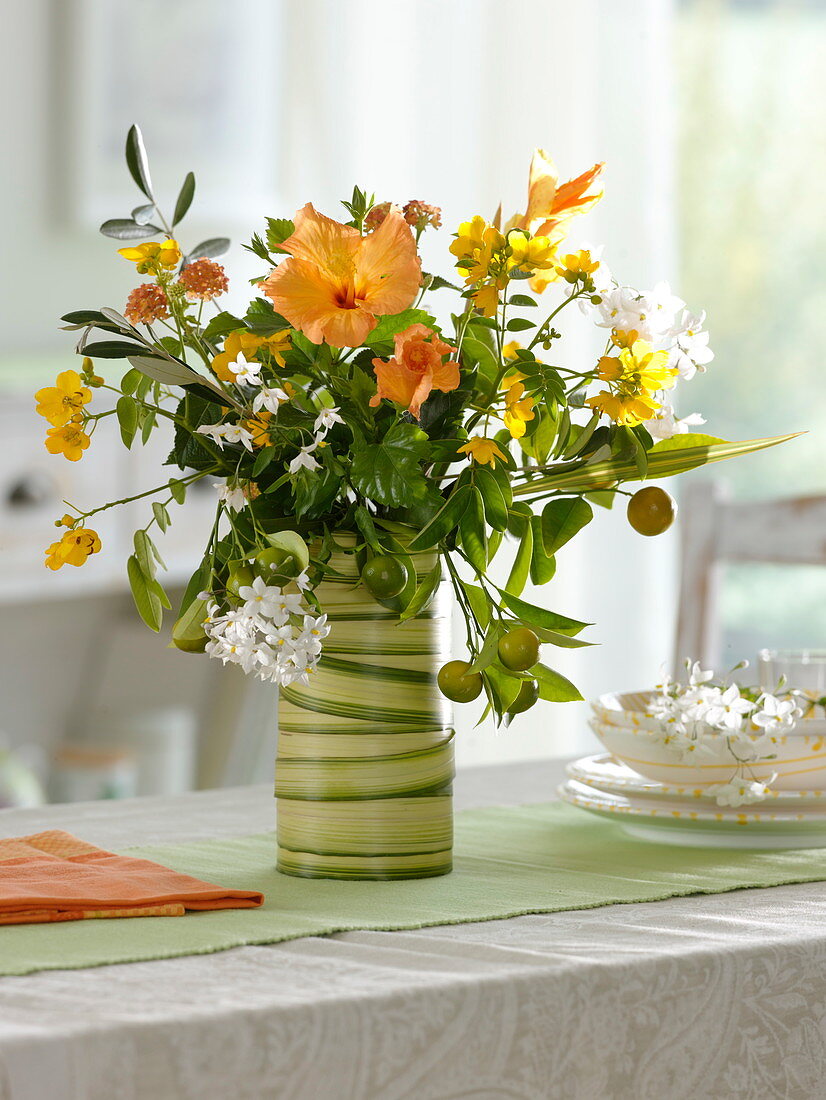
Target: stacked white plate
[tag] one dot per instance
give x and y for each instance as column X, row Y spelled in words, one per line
column 668, row 814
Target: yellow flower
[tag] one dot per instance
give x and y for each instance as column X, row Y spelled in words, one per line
column 531, row 253
column 469, row 237
column 486, row 299
column 510, row 349
column 624, row 339
column 576, row 265
column 634, row 377
column 518, row 410
column 153, row 257
column 648, row 368
column 624, row 408
column 249, row 344
column 259, row 426
column 59, row 403
column 482, row 450
column 66, row 521
column 73, row 549
column 69, row 440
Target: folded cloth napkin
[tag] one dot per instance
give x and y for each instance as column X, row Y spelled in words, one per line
column 54, row 876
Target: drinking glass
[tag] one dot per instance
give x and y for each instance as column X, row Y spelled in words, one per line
column 804, row 670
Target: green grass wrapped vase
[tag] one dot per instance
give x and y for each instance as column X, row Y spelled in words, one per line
column 365, row 751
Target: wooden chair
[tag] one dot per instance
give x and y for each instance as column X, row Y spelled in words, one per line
column 716, row 530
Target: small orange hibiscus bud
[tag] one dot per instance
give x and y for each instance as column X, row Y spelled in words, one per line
column 417, row 367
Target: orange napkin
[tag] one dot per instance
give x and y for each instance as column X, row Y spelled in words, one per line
column 54, row 876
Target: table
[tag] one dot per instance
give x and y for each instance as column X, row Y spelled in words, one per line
column 703, row 998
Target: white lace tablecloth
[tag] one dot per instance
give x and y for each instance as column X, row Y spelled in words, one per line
column 707, row 998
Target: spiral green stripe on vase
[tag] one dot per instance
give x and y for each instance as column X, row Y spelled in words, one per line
column 365, row 759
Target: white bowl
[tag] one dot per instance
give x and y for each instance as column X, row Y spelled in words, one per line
column 799, row 764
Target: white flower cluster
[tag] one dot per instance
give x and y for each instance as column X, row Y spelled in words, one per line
column 270, row 399
column 662, row 320
column 270, row 634
column 697, row 715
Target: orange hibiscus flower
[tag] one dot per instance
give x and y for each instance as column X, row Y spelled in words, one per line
column 335, row 282
column 417, row 367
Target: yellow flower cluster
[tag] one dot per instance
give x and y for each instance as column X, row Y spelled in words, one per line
column 488, row 257
column 73, row 548
column 62, row 405
column 633, row 378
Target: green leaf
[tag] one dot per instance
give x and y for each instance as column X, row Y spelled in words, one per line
column 472, row 532
column 112, row 349
column 666, row 458
column 314, row 491
column 479, row 603
column 137, row 161
column 521, row 567
column 479, row 353
column 554, row 687
column 603, row 498
column 293, row 544
column 185, row 197
column 156, row 554
column 143, row 215
column 171, row 373
column 561, row 520
column 125, row 229
column 161, row 514
column 178, row 490
column 199, row 582
column 146, row 600
column 149, row 419
column 215, row 246
column 505, row 687
column 519, row 324
column 582, row 437
column 126, row 411
column 489, row 651
column 222, row 325
column 143, row 553
column 539, row 616
column 543, row 566
column 445, row 520
column 389, row 472
column 262, row 460
column 496, row 508
column 521, row 300
column 438, row 283
column 424, row 593
column 189, row 627
column 130, row 381
column 392, row 323
column 278, row 229
column 158, row 590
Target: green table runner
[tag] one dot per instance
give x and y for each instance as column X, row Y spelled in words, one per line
column 509, row 862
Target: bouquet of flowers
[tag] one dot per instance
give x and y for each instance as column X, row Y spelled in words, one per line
column 335, row 413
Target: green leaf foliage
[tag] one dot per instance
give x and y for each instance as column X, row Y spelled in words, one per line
column 496, row 507
column 112, row 349
column 137, row 161
column 126, row 229
column 520, row 570
column 126, row 411
column 185, row 197
column 543, row 565
column 540, row 617
column 424, row 593
column 314, row 491
column 472, row 532
column 147, row 600
column 278, row 229
column 389, row 472
column 554, row 687
column 445, row 520
column 562, row 519
column 191, row 450
column 215, row 246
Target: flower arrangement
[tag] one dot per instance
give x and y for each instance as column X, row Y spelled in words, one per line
column 704, row 712
column 336, row 403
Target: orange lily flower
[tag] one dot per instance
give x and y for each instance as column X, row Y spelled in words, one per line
column 335, row 283
column 552, row 203
column 416, row 368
